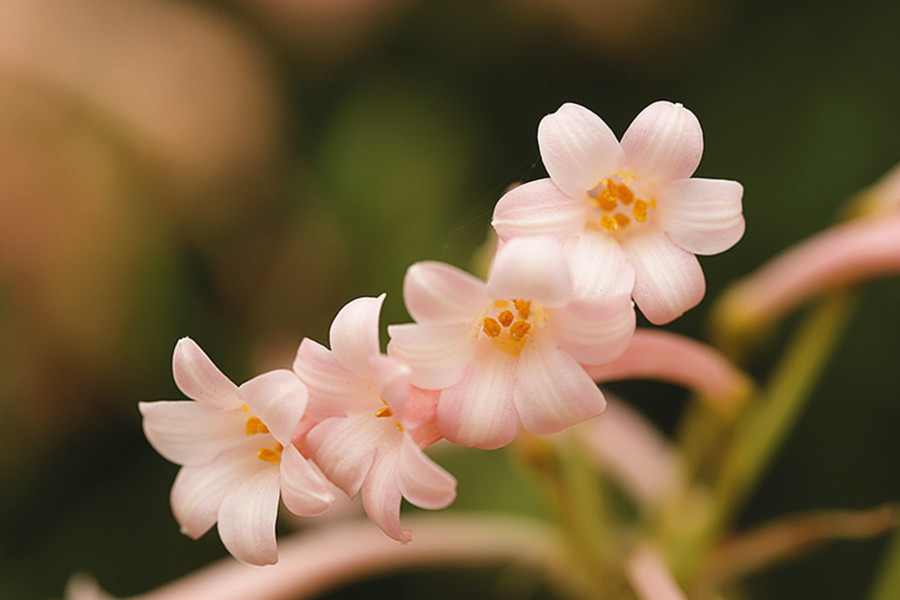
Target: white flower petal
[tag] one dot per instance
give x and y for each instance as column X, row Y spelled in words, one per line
column 304, row 489
column 191, row 433
column 437, row 354
column 247, row 518
column 422, row 481
column 198, row 378
column 553, row 391
column 703, row 216
column 381, row 496
column 664, row 142
column 599, row 266
column 198, row 490
column 538, row 208
column 344, row 448
column 479, row 410
column 532, row 268
column 668, row 280
column 354, row 334
column 594, row 332
column 333, row 390
column 278, row 398
column 436, row 292
column 578, row 149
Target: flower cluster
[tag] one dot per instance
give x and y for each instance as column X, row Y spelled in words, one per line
column 615, row 221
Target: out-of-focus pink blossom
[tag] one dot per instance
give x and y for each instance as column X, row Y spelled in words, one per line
column 314, row 561
column 630, row 214
column 633, row 450
column 842, row 256
column 650, row 577
column 372, row 425
column 673, row 358
column 507, row 353
column 234, row 445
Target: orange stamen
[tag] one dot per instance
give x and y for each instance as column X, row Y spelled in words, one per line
column 491, row 327
column 254, row 426
column 518, row 330
column 523, row 307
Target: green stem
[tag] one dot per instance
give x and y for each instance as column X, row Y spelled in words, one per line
column 887, row 583
column 582, row 509
column 765, row 425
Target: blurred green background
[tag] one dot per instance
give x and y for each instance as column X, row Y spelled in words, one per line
column 237, row 170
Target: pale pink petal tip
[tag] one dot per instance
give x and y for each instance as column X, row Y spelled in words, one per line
column 664, row 142
column 676, row 359
column 423, row 482
column 577, row 149
column 247, row 519
column 199, row 379
column 354, row 335
column 304, row 490
column 668, row 280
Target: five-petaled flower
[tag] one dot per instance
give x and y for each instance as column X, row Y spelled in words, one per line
column 629, row 214
column 508, row 353
column 372, row 425
column 235, row 447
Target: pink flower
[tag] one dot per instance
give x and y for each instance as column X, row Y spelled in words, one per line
column 508, row 353
column 630, row 215
column 372, row 424
column 235, row 447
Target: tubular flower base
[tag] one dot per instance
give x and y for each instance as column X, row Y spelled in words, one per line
column 630, row 215
column 676, row 359
column 842, row 256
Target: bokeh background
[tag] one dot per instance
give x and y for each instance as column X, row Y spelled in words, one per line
column 236, row 170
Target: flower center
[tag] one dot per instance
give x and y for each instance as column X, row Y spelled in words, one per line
column 509, row 323
column 255, row 426
column 618, row 204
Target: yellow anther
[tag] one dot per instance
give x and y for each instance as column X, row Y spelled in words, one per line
column 606, row 201
column 523, row 307
column 609, row 223
column 398, row 426
column 254, row 426
column 245, row 408
column 506, row 317
column 640, row 211
column 383, row 412
column 491, row 327
column 270, row 454
column 518, row 330
column 626, row 196
column 500, row 303
column 621, row 219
